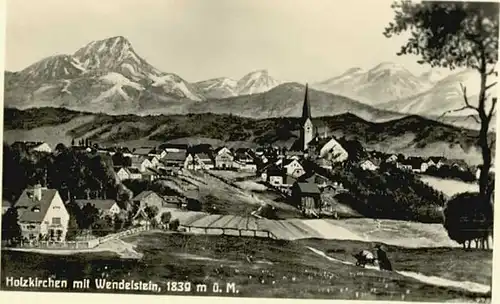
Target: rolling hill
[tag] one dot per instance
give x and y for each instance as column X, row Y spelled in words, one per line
column 411, row 135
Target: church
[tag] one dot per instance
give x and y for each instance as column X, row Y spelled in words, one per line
column 313, row 144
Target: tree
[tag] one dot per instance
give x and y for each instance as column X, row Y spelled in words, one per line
column 468, row 218
column 151, row 211
column 166, row 217
column 174, row 225
column 72, row 142
column 451, row 35
column 11, row 231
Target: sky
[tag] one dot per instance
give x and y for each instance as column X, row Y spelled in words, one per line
column 295, row 40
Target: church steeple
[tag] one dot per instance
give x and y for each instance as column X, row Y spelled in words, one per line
column 306, row 134
column 306, row 108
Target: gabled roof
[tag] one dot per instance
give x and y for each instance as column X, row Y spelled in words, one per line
column 436, row 159
column 27, row 202
column 174, row 146
column 288, row 161
column 175, row 156
column 103, row 205
column 308, row 188
column 137, row 161
column 289, row 180
column 143, row 150
column 133, row 171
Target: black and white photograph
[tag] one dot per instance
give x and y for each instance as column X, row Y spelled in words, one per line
column 320, row 149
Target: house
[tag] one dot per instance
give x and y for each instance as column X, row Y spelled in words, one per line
column 417, row 164
column 331, row 149
column 134, row 173
column 37, row 146
column 404, row 166
column 140, row 218
column 175, row 148
column 293, row 167
column 150, row 174
column 105, row 207
column 141, row 163
column 143, row 151
column 288, row 181
column 42, row 213
column 315, row 178
column 154, row 160
column 392, row 159
column 368, row 165
column 275, row 176
column 198, row 161
column 459, row 164
column 173, row 202
column 436, row 161
column 244, row 166
column 159, row 153
column 122, row 173
column 223, row 158
column 243, row 155
column 5, row 206
column 307, row 197
column 174, row 160
column 148, row 198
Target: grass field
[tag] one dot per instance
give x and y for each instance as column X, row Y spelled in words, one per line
column 449, row 187
column 275, row 268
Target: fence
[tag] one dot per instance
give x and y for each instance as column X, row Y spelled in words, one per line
column 88, row 244
column 230, row 231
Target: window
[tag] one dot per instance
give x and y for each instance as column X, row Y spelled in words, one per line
column 56, row 221
column 56, row 207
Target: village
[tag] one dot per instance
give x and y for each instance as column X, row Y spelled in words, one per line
column 300, row 174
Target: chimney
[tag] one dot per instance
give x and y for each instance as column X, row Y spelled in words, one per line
column 37, row 192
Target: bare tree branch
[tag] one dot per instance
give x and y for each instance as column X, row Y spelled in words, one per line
column 493, row 105
column 490, row 86
column 466, row 100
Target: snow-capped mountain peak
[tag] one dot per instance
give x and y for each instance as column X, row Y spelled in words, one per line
column 384, row 82
column 256, row 82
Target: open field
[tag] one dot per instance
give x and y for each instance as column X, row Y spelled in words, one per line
column 397, row 233
column 275, row 268
column 449, row 187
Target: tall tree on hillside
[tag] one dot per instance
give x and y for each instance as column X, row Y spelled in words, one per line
column 451, row 35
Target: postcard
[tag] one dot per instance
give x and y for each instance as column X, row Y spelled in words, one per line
column 250, row 149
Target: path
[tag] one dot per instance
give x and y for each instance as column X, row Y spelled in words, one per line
column 433, row 280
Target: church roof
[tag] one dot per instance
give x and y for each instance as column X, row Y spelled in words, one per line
column 306, row 108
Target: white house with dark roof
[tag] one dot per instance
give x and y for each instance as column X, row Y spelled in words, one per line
column 42, row 213
column 141, row 163
column 105, row 207
column 293, row 167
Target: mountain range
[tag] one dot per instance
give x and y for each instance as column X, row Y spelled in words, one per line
column 108, row 76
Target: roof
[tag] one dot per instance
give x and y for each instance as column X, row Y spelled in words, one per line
column 143, row 195
column 458, row 162
column 306, row 107
column 286, row 162
column 175, row 156
column 143, row 150
column 203, row 156
column 275, row 171
column 289, row 180
column 174, row 146
column 27, row 201
column 436, row 158
column 138, row 160
column 308, row 188
column 103, row 205
column 133, row 170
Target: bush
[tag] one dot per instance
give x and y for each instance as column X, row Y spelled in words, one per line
column 468, row 218
column 174, row 225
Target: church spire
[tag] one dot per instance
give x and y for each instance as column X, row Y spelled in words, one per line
column 306, row 110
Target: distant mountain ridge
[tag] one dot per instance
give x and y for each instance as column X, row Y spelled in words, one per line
column 384, row 82
column 252, row 83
